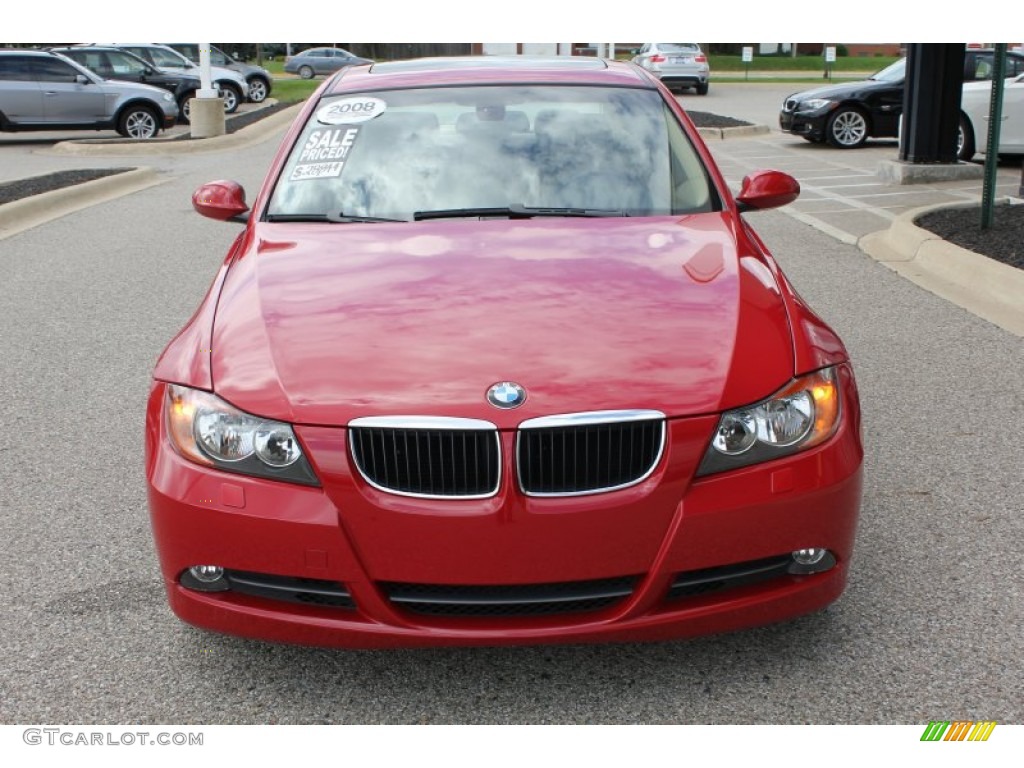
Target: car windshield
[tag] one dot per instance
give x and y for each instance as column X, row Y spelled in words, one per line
column 894, row 73
column 404, row 153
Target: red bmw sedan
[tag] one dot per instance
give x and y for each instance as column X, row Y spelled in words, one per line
column 497, row 359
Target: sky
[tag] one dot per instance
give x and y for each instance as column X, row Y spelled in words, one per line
column 516, row 21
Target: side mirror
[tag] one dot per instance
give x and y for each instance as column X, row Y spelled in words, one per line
column 221, row 200
column 82, row 80
column 767, row 189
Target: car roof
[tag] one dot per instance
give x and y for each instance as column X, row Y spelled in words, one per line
column 493, row 70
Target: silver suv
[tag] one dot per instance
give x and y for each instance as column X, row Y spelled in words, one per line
column 231, row 85
column 44, row 91
column 678, row 65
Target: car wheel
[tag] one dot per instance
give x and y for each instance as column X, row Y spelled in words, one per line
column 306, row 72
column 258, row 90
column 702, row 89
column 185, row 107
column 965, row 139
column 847, row 128
column 138, row 123
column 232, row 98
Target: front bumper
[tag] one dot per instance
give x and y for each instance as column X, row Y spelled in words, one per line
column 363, row 541
column 809, row 124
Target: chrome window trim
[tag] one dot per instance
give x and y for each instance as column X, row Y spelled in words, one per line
column 589, row 418
column 424, row 423
column 586, row 419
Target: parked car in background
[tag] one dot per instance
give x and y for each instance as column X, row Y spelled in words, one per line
column 259, row 80
column 230, row 84
column 396, row 418
column 45, row 91
column 974, row 119
column 848, row 114
column 322, row 61
column 679, row 65
column 114, row 64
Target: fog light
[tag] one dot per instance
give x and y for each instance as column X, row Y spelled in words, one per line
column 205, row 578
column 211, row 573
column 811, row 560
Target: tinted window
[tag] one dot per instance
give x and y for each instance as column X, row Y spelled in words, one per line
column 493, row 147
column 169, row 59
column 15, row 68
column 54, row 71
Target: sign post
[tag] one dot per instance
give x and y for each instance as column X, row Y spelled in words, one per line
column 748, row 56
column 830, row 59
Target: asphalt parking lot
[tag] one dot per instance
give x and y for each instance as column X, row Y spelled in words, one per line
column 929, row 627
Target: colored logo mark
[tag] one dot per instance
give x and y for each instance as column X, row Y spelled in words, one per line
column 958, row 730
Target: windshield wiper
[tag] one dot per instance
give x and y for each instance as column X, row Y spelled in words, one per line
column 332, row 218
column 515, row 212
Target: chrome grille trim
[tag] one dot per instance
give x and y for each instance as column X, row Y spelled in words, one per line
column 582, row 421
column 419, row 426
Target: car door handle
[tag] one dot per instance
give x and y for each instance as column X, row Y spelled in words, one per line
column 50, row 93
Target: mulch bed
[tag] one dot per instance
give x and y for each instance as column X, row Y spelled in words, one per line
column 1004, row 241
column 16, row 190
column 708, row 120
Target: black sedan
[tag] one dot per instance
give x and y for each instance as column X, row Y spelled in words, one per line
column 115, row 64
column 847, row 114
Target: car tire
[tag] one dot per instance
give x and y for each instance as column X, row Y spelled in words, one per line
column 185, row 108
column 702, row 89
column 306, row 72
column 965, row 146
column 232, row 97
column 138, row 122
column 847, row 128
column 258, row 90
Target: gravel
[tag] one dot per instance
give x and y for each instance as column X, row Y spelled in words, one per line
column 708, row 120
column 1003, row 241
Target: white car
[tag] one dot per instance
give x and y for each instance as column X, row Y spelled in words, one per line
column 974, row 118
column 231, row 85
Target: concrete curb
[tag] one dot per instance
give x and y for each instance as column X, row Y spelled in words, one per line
column 983, row 286
column 32, row 211
column 251, row 134
column 739, row 132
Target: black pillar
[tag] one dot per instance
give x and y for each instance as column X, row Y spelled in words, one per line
column 931, row 102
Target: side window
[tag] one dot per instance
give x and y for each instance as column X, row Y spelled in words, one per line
column 1014, row 66
column 217, row 58
column 982, row 68
column 123, row 64
column 14, row 68
column 53, row 71
column 141, row 53
column 189, row 51
column 317, row 52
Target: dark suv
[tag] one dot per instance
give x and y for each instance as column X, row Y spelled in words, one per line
column 115, row 64
column 259, row 80
column 44, row 91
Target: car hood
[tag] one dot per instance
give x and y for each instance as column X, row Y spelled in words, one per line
column 843, row 90
column 323, row 323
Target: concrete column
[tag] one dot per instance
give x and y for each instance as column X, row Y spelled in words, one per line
column 207, row 116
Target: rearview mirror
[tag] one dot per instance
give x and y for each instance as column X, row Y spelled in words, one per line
column 222, row 200
column 767, row 189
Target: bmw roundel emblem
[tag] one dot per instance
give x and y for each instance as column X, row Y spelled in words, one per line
column 506, row 394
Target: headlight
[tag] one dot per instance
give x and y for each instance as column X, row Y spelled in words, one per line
column 205, row 429
column 815, row 104
column 800, row 416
